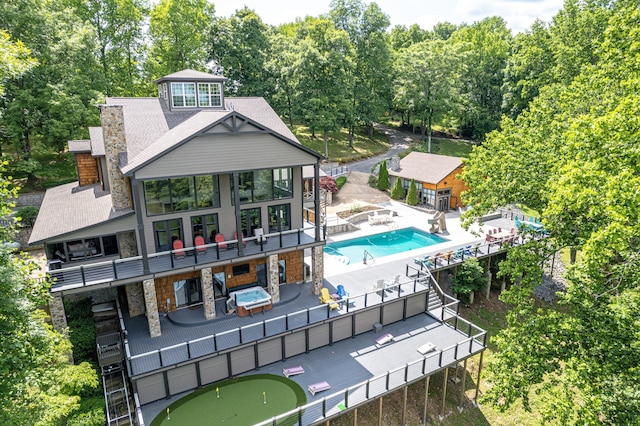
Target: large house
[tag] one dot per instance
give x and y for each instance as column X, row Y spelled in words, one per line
column 180, row 200
column 435, row 176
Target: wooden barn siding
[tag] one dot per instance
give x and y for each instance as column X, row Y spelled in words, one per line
column 226, row 153
column 87, row 169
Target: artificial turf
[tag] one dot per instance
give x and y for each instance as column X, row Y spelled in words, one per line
column 241, row 402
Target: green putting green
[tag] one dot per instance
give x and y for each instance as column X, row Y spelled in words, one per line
column 239, row 401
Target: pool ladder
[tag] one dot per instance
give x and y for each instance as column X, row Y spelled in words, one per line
column 365, row 256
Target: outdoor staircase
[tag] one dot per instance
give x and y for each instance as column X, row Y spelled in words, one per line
column 117, row 398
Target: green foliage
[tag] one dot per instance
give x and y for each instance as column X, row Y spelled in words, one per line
column 178, row 31
column 383, row 177
column 340, row 181
column 469, row 278
column 15, row 58
column 27, row 215
column 397, row 192
column 581, row 356
column 90, row 413
column 412, row 194
column 82, row 332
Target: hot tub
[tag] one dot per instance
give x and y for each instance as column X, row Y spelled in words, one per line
column 250, row 300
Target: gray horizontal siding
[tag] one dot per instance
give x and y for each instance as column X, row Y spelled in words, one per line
column 225, row 153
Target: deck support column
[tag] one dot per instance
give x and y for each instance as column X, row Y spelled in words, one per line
column 317, row 259
column 151, row 304
column 426, row 396
column 488, row 289
column 208, row 295
column 355, row 417
column 464, row 377
column 475, row 398
column 444, row 391
column 404, row 405
column 380, row 413
column 273, row 278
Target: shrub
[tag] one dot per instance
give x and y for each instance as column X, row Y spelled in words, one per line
column 383, row 177
column 373, row 181
column 397, row 193
column 27, row 215
column 340, row 181
column 328, row 183
column 412, row 194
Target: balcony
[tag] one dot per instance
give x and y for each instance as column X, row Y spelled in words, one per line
column 131, row 269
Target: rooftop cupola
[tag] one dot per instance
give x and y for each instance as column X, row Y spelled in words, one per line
column 190, row 89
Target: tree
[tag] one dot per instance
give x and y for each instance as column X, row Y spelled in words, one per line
column 425, row 82
column 383, row 176
column 52, row 102
column 178, row 31
column 15, row 59
column 397, row 192
column 582, row 358
column 469, row 278
column 38, row 385
column 323, row 65
column 118, row 26
column 240, row 44
column 412, row 195
column 486, row 45
column 366, row 26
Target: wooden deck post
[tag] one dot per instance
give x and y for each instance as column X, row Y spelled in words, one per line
column 464, row 377
column 426, row 396
column 404, row 405
column 355, row 417
column 475, row 398
column 380, row 413
column 444, row 390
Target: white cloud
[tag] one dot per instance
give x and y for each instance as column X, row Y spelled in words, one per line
column 518, row 14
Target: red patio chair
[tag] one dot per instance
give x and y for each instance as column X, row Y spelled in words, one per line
column 178, row 247
column 199, row 243
column 235, row 237
column 220, row 240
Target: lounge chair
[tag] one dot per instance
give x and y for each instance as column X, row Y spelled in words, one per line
column 292, row 371
column 341, row 292
column 467, row 251
column 178, row 247
column 458, row 253
column 318, row 387
column 221, row 241
column 424, row 262
column 379, row 286
column 198, row 241
column 327, row 299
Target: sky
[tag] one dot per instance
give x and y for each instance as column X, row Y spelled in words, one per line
column 518, row 14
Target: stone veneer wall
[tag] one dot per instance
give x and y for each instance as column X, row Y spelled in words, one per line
column 153, row 318
column 208, row 295
column 273, row 278
column 317, row 260
column 87, row 169
column 135, row 295
column 58, row 316
column 115, row 143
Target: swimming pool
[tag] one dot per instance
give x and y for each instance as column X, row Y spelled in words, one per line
column 384, row 244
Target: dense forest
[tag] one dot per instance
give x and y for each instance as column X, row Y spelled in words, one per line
column 343, row 70
column 556, row 109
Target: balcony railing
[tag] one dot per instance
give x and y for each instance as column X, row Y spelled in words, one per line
column 132, row 268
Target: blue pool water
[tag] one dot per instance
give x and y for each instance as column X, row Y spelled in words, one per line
column 380, row 245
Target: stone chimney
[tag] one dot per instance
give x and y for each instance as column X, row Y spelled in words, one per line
column 115, row 147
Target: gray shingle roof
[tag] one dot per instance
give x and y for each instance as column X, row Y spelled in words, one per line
column 97, row 141
column 68, row 208
column 192, row 75
column 423, row 167
column 83, row 145
column 144, row 122
column 258, row 110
